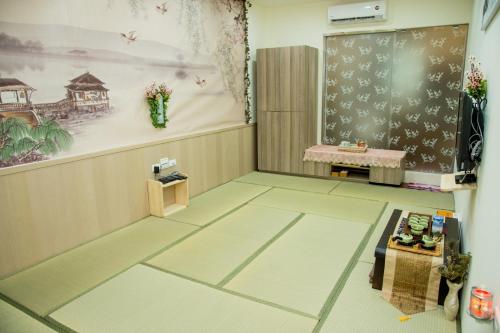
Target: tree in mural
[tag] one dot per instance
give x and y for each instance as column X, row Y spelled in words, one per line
column 20, row 143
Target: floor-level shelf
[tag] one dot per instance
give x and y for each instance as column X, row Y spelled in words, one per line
column 166, row 199
column 448, row 184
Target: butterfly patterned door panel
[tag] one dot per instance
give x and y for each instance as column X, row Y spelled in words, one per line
column 396, row 90
column 357, row 88
column 426, row 82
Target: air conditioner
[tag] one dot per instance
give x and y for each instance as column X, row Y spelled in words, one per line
column 358, row 12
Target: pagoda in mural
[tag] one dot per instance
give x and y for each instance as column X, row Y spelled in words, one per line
column 87, row 93
column 15, row 100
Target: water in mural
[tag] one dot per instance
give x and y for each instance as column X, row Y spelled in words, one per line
column 86, row 85
column 397, row 90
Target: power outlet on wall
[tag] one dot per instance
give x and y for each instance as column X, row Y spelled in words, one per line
column 165, row 163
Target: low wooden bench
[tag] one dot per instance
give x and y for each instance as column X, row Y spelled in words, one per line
column 383, row 166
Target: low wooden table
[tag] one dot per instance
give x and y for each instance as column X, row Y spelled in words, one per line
column 452, row 232
column 385, row 166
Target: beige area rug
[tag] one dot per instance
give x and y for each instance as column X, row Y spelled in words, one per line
column 144, row 299
column 301, row 268
column 56, row 281
column 361, row 309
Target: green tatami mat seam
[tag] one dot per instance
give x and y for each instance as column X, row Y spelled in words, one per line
column 166, row 248
column 353, row 197
column 123, row 270
column 287, row 188
column 252, row 257
column 223, row 215
column 50, row 323
column 315, row 213
column 336, row 185
column 339, row 286
column 234, row 293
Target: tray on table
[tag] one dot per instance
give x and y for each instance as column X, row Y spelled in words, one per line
column 353, row 148
column 416, row 248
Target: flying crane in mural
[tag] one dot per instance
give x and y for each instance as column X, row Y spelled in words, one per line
column 85, row 86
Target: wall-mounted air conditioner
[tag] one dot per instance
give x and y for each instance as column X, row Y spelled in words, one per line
column 358, row 12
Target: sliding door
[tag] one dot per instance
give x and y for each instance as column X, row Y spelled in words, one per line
column 396, row 90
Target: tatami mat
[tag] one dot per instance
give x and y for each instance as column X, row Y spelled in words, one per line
column 361, row 309
column 291, row 182
column 302, row 267
column 369, row 251
column 212, row 204
column 216, row 251
column 351, row 209
column 396, row 194
column 50, row 284
column 144, row 299
column 13, row 320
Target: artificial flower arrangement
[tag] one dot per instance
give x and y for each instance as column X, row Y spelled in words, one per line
column 476, row 83
column 157, row 97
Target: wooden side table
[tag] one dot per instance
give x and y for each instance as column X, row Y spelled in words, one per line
column 452, row 235
column 166, row 199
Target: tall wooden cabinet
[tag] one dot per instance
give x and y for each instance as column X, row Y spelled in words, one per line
column 287, row 93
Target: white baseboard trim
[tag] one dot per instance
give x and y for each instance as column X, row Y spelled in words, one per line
column 423, row 178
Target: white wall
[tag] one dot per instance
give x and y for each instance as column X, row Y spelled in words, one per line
column 480, row 209
column 275, row 26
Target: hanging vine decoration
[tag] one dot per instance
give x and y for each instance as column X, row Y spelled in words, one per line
column 157, row 98
column 248, row 111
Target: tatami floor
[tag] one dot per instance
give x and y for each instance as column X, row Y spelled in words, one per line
column 263, row 253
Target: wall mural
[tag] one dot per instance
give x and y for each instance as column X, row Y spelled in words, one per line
column 397, row 90
column 76, row 84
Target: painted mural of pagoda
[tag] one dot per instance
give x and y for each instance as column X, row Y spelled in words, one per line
column 85, row 94
column 15, row 101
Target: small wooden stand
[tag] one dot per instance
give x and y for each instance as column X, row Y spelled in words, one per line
column 166, row 199
column 448, row 184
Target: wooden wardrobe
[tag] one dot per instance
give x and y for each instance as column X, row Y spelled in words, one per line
column 287, row 93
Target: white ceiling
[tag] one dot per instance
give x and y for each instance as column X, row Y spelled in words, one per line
column 277, row 3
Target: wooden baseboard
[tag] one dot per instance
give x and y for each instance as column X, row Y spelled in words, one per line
column 48, row 209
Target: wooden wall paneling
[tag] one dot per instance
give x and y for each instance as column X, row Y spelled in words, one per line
column 276, row 147
column 262, row 79
column 261, row 139
column 272, row 79
column 297, row 144
column 296, row 126
column 312, row 93
column 17, row 225
column 286, row 139
column 298, row 79
column 47, row 210
column 248, row 155
column 285, row 87
column 283, row 136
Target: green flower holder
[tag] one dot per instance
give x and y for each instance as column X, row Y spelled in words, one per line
column 158, row 110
